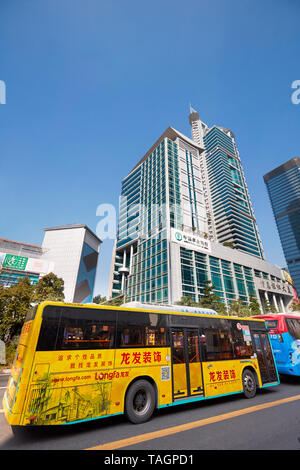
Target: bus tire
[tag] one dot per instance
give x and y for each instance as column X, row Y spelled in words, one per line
column 249, row 383
column 140, row 401
column 18, row 431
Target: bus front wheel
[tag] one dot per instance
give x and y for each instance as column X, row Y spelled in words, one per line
column 140, row 402
column 249, row 384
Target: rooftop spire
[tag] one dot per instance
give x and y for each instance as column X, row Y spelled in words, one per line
column 192, row 110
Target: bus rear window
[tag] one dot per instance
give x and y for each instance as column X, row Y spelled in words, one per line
column 271, row 324
column 293, row 326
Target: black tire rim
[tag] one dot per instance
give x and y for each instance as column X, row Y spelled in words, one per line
column 141, row 401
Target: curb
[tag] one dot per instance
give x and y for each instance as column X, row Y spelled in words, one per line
column 5, row 371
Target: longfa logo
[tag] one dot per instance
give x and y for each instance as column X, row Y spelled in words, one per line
column 110, row 375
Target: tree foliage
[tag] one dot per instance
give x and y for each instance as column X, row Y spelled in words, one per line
column 16, row 299
column 208, row 300
column 187, row 301
column 14, row 304
column 98, row 299
column 239, row 309
column 254, row 306
column 268, row 307
column 49, row 287
column 117, row 301
column 211, row 300
column 295, row 307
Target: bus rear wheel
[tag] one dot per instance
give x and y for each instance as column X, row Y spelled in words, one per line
column 140, row 402
column 249, row 384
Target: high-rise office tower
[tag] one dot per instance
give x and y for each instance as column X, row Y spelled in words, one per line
column 283, row 184
column 227, row 195
column 163, row 191
column 170, row 237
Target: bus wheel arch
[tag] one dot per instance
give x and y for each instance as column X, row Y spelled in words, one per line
column 140, row 399
column 249, row 381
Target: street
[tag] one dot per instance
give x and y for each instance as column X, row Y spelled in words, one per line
column 269, row 421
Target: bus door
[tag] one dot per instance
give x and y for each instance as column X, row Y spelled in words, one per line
column 187, row 371
column 265, row 357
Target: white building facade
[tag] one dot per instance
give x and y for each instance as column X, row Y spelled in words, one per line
column 70, row 251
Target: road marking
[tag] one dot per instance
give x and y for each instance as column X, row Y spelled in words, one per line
column 188, row 426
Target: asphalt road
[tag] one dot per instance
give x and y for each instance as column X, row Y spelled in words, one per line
column 269, row 421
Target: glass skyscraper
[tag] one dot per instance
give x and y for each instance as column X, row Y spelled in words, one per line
column 180, row 203
column 283, row 184
column 233, row 215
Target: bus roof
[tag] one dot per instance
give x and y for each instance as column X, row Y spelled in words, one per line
column 146, row 309
column 273, row 316
column 171, row 308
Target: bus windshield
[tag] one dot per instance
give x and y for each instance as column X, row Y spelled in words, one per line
column 271, row 324
column 293, row 326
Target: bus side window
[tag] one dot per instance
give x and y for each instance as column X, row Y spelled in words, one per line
column 85, row 328
column 141, row 329
column 131, row 336
column 243, row 348
column 83, row 335
column 216, row 344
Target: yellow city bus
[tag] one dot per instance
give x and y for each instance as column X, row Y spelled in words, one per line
column 79, row 362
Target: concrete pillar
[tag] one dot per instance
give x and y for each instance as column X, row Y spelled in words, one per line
column 282, row 304
column 275, row 302
column 123, row 275
column 131, row 256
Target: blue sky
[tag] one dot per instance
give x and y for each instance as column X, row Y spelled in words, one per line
column 92, row 84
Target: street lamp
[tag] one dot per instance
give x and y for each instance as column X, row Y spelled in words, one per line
column 125, row 273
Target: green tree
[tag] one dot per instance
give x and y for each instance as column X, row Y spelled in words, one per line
column 116, row 301
column 210, row 299
column 187, row 301
column 267, row 307
column 98, row 299
column 254, row 305
column 295, row 307
column 14, row 304
column 238, row 308
column 49, row 287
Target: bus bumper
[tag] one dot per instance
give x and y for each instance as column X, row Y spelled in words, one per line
column 289, row 369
